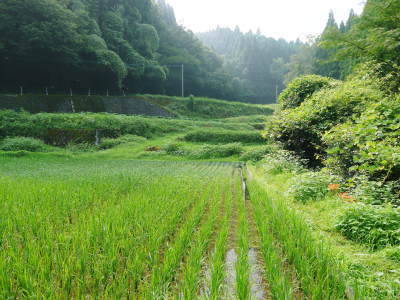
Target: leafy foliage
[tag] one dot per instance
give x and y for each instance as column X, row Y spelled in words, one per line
column 100, row 44
column 375, row 227
column 303, row 87
column 309, row 186
column 23, row 144
column 213, row 136
column 108, row 143
column 217, row 151
column 372, row 139
column 256, row 154
column 301, row 129
column 281, row 161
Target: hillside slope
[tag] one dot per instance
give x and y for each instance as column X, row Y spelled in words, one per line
column 148, row 105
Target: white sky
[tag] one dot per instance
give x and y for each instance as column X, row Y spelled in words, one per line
column 287, row 19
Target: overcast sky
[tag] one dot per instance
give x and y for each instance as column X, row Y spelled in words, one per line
column 287, row 19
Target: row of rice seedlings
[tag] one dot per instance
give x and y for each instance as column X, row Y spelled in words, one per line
column 317, row 268
column 164, row 272
column 189, row 287
column 51, row 252
column 242, row 264
column 278, row 280
column 217, row 261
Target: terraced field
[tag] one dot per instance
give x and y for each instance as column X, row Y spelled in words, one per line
column 86, row 228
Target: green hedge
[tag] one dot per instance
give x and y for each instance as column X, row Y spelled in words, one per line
column 226, row 136
column 60, row 129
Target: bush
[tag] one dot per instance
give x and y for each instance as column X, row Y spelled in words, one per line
column 81, row 147
column 301, row 129
column 375, row 227
column 225, row 136
column 108, row 143
column 256, row 154
column 174, row 149
column 23, row 144
column 374, row 192
column 369, row 144
column 303, row 87
column 281, row 161
column 217, row 151
column 310, row 186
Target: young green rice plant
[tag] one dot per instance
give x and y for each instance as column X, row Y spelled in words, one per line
column 318, row 270
column 279, row 281
column 165, row 271
column 242, row 264
column 218, row 257
column 77, row 228
column 191, row 272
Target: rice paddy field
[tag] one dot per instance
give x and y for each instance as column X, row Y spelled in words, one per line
column 74, row 228
column 185, row 215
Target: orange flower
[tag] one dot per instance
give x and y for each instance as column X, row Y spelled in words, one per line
column 333, row 187
column 347, row 197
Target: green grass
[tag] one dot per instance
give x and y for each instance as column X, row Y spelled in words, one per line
column 203, row 108
column 206, row 108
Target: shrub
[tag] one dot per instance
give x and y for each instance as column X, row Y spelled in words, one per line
column 310, row 186
column 256, row 154
column 301, row 129
column 225, row 136
column 376, row 193
column 375, row 227
column 217, row 151
column 303, row 87
column 281, row 161
column 81, row 147
column 23, row 144
column 369, row 144
column 174, row 149
column 108, row 143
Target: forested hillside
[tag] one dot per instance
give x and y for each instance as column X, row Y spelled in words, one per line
column 258, row 63
column 134, row 45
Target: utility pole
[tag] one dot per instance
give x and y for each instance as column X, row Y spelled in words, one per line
column 276, row 93
column 183, row 84
column 21, row 90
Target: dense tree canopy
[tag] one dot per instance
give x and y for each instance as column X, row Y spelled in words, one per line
column 134, row 45
column 257, row 63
